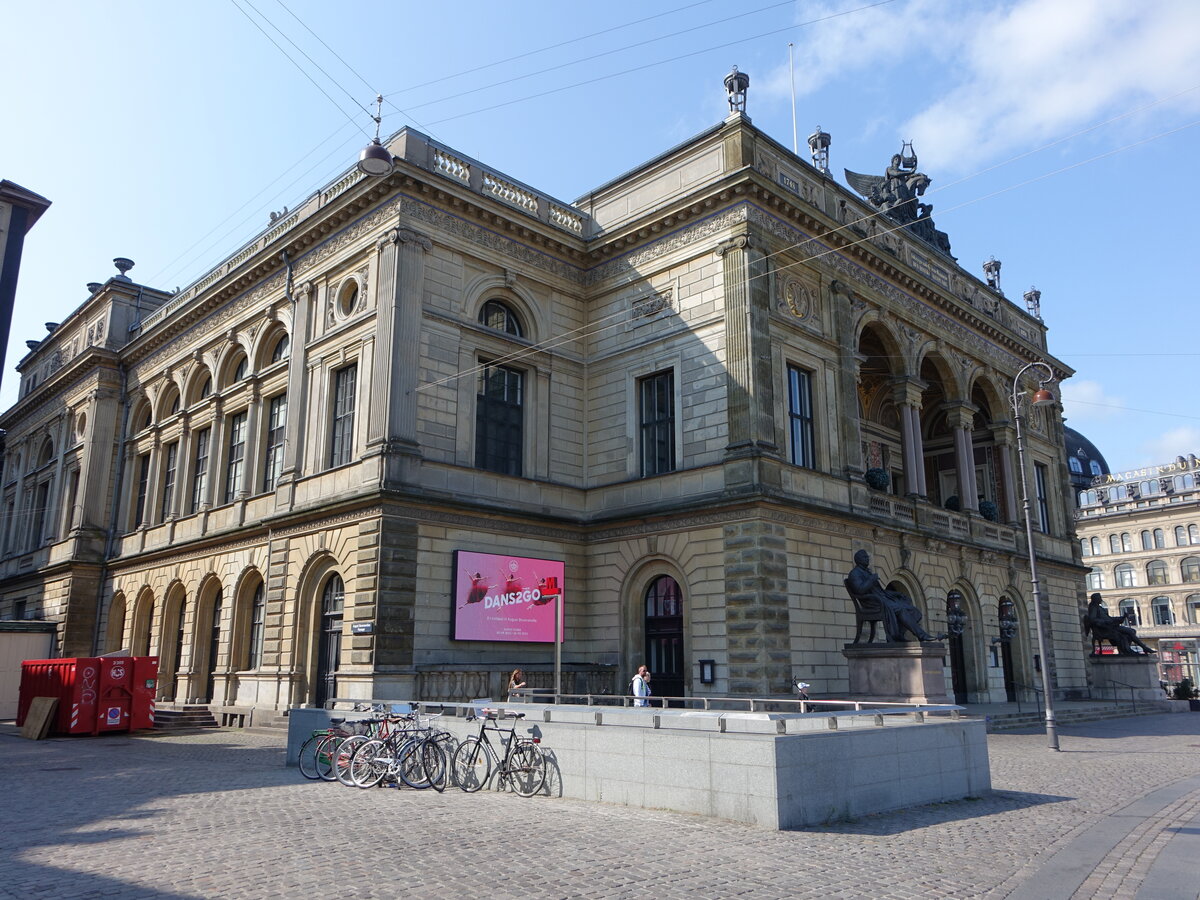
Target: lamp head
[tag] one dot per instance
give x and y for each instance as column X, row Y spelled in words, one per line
column 1041, row 397
column 376, row 160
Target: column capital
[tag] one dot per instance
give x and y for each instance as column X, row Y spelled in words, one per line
column 737, row 242
column 403, row 236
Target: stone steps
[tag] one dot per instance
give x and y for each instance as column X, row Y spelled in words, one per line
column 1033, row 719
column 183, row 718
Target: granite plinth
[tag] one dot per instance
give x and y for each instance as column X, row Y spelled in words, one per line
column 903, row 672
column 1121, row 677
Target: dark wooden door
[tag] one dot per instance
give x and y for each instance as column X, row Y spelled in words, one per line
column 330, row 650
column 664, row 638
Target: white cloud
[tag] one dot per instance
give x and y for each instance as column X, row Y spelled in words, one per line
column 1164, row 448
column 1087, row 401
column 1013, row 75
column 1041, row 68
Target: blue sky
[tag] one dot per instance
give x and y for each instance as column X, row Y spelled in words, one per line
column 1057, row 134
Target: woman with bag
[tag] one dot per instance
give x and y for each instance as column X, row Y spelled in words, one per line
column 641, row 687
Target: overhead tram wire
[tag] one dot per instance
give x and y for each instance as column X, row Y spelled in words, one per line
column 353, row 70
column 565, row 43
column 595, row 56
column 352, row 120
column 567, row 336
column 661, row 62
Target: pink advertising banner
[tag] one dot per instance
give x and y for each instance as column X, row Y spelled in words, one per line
column 505, row 598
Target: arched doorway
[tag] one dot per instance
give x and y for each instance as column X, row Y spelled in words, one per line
column 171, row 683
column 956, row 622
column 1007, row 620
column 143, row 623
column 214, row 647
column 114, row 634
column 329, row 637
column 664, row 637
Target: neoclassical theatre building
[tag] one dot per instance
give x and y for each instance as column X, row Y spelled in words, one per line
column 699, row 390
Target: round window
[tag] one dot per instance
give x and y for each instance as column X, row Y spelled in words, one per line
column 348, row 297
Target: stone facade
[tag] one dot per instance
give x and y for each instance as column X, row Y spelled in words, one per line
column 263, row 478
column 1139, row 532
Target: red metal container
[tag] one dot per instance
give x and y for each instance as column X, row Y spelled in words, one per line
column 95, row 693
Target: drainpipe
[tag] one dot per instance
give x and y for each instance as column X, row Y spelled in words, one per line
column 110, row 539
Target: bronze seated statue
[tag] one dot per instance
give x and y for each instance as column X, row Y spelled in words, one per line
column 1114, row 629
column 875, row 603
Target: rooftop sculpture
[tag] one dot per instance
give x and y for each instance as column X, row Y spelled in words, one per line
column 896, row 194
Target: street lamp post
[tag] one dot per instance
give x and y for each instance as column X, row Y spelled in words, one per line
column 1040, row 397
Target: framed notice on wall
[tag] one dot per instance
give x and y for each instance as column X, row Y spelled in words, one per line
column 505, row 598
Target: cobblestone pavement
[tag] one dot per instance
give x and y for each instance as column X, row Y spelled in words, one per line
column 1116, row 814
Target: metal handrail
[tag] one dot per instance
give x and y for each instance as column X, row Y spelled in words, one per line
column 1037, row 695
column 1126, row 684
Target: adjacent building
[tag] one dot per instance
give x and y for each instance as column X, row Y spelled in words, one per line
column 1139, row 531
column 695, row 392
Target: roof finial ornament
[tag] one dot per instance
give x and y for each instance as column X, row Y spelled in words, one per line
column 991, row 271
column 736, row 85
column 1033, row 302
column 818, row 143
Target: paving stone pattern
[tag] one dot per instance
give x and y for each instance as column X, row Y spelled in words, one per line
column 217, row 815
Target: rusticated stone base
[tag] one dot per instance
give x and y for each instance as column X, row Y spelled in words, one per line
column 906, row 673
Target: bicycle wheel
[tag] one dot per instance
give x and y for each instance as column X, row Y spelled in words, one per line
column 326, row 751
column 408, row 764
column 308, row 756
column 527, row 769
column 368, row 765
column 472, row 765
column 345, row 755
column 433, row 764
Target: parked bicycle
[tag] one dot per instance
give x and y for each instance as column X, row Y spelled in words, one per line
column 522, row 766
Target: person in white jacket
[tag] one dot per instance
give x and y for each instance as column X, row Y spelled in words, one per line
column 641, row 686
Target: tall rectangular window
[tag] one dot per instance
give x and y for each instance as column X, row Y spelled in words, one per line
column 200, row 468
column 1043, row 507
column 342, row 441
column 257, row 615
column 656, row 421
column 800, row 416
column 40, row 503
column 170, row 465
column 235, row 466
column 276, row 425
column 499, row 420
column 143, row 484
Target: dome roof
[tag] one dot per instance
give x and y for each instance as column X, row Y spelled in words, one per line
column 1080, row 448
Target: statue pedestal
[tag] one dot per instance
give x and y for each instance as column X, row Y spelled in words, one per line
column 1113, row 677
column 904, row 673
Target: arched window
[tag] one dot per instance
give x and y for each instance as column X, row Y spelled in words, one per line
column 1126, row 542
column 47, row 453
column 1193, row 608
column 283, row 349
column 1125, row 607
column 1085, row 546
column 1184, row 482
column 1194, row 534
column 1190, row 569
column 1075, row 465
column 1114, row 543
column 239, row 372
column 1181, row 536
column 500, row 316
column 1147, row 541
column 205, row 388
column 1095, row 580
column 329, row 653
column 1156, row 572
column 1148, row 488
column 254, row 644
column 1125, row 576
column 1096, row 548
column 1095, row 467
column 1160, row 539
column 1120, row 492
column 1161, row 608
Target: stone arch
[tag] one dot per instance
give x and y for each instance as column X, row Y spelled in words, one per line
column 114, row 630
column 141, row 413
column 974, row 642
column 231, row 359
column 244, row 589
column 306, row 628
column 516, row 296
column 196, row 381
column 141, row 626
column 263, row 350
column 174, row 660
column 638, row 579
column 1024, row 644
column 170, row 400
column 211, row 612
